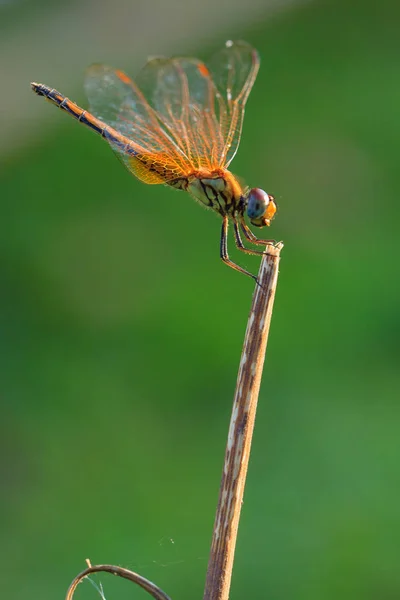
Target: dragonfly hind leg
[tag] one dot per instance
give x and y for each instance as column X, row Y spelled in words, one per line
column 224, row 250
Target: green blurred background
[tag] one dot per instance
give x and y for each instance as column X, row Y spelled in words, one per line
column 121, row 329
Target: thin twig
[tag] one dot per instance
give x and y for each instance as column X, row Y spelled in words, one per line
column 144, row 583
column 237, row 453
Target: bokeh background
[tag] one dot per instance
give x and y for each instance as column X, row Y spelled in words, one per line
column 121, row 329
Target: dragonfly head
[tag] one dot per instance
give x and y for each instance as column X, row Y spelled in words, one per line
column 260, row 207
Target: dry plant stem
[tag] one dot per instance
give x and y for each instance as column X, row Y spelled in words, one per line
column 144, row 583
column 237, row 453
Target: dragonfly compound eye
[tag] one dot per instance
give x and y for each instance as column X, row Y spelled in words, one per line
column 261, row 207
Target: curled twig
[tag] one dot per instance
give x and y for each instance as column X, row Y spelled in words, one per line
column 142, row 582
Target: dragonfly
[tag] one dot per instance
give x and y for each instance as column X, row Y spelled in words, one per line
column 179, row 123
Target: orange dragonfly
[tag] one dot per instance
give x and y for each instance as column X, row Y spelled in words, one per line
column 179, row 123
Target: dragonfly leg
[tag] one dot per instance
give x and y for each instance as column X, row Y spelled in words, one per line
column 253, row 238
column 239, row 242
column 224, row 250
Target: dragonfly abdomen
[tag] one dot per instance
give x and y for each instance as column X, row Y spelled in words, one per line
column 83, row 116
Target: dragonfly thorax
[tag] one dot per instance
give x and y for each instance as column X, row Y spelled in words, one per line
column 221, row 192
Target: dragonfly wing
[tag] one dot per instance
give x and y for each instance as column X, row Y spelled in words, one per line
column 183, row 95
column 181, row 115
column 234, row 70
column 201, row 106
column 117, row 100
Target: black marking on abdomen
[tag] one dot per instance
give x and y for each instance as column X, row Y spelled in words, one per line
column 118, row 141
column 101, row 130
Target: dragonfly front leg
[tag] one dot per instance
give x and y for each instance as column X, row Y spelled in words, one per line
column 253, row 238
column 224, row 249
column 239, row 243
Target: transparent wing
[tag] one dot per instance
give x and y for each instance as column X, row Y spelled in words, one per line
column 184, row 98
column 180, row 115
column 233, row 70
column 202, row 107
column 117, row 100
